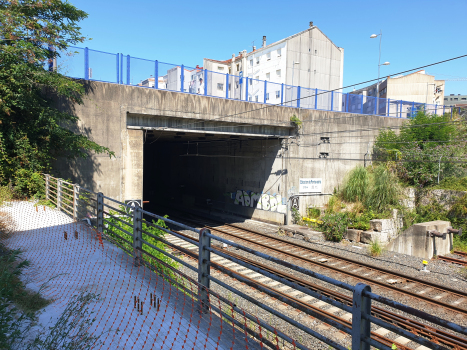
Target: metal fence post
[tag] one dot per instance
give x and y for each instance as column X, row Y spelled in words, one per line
column 400, row 109
column 204, row 269
column 436, row 108
column 59, row 194
column 298, row 96
column 121, row 69
column 246, row 88
column 137, row 235
column 86, row 63
column 413, row 109
column 316, row 98
column 282, row 94
column 227, row 85
column 100, row 212
column 182, row 78
column 361, row 110
column 118, row 68
column 205, row 82
column 156, row 75
column 47, row 186
column 347, row 98
column 75, row 202
column 388, row 101
column 265, row 88
column 332, row 99
column 361, row 310
column 128, row 59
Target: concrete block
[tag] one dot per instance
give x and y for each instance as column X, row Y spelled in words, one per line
column 370, row 236
column 353, row 235
column 381, row 224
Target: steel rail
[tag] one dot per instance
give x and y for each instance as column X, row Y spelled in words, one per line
column 354, row 275
column 453, row 260
column 413, row 326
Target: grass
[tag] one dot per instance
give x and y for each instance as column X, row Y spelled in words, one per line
column 357, row 185
column 463, row 272
column 375, row 249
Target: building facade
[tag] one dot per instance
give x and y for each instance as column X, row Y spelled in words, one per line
column 455, row 100
column 399, row 96
column 272, row 73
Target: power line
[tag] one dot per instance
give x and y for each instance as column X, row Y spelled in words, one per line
column 337, row 89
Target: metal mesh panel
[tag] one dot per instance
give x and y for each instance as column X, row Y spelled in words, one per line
column 103, row 66
column 235, row 91
column 70, row 63
column 290, row 96
column 324, row 100
column 273, row 93
column 308, row 98
column 142, row 72
column 256, row 91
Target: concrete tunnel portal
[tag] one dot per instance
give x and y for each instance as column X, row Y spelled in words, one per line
column 216, row 173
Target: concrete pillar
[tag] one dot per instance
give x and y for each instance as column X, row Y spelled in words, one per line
column 133, row 165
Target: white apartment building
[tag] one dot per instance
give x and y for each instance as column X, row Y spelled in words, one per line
column 308, row 59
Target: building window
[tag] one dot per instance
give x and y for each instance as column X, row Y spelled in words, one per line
column 315, row 71
column 229, row 87
column 257, row 77
column 316, row 52
column 238, row 68
column 256, row 98
column 463, row 98
column 455, row 99
column 251, row 81
column 257, row 60
column 220, row 86
column 278, row 72
column 251, row 63
column 268, row 76
column 220, row 68
column 278, row 93
column 279, row 53
column 268, row 56
column 445, row 99
column 249, row 98
column 267, row 96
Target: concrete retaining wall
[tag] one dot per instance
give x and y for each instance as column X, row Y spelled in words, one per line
column 415, row 240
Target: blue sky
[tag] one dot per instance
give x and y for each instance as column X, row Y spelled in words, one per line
column 415, row 32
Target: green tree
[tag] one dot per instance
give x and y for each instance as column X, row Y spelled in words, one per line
column 33, row 132
column 420, row 144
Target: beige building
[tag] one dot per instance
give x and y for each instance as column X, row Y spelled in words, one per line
column 401, row 95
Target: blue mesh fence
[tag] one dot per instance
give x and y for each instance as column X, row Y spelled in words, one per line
column 71, row 63
column 84, row 63
column 103, row 66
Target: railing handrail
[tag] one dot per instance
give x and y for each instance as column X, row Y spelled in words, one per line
column 362, row 295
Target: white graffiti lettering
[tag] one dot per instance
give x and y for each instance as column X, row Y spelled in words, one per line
column 263, row 201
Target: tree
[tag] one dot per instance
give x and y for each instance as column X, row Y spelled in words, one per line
column 421, row 143
column 33, row 132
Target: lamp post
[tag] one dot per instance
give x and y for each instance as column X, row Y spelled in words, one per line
column 373, row 36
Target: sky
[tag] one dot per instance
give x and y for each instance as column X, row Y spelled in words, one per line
column 415, row 33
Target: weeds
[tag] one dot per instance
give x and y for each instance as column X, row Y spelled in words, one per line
column 71, row 331
column 385, row 190
column 463, row 272
column 356, row 186
column 375, row 248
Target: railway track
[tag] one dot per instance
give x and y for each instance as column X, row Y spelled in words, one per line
column 316, row 306
column 462, row 262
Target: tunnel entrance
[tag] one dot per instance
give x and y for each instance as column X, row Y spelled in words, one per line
column 224, row 175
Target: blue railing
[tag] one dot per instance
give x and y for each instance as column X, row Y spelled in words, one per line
column 85, row 63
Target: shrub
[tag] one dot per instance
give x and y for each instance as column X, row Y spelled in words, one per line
column 357, row 185
column 334, row 205
column 453, row 183
column 385, row 190
column 314, row 213
column 123, row 237
column 334, row 226
column 28, row 183
column 296, row 218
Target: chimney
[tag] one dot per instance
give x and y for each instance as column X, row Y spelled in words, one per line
column 264, row 40
column 311, row 24
column 233, row 57
column 254, row 48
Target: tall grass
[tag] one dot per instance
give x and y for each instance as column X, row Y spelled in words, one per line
column 357, row 185
column 385, row 190
column 375, row 249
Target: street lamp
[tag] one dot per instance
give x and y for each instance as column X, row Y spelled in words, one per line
column 373, row 36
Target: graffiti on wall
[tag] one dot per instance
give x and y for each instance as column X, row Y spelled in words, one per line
column 263, row 201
